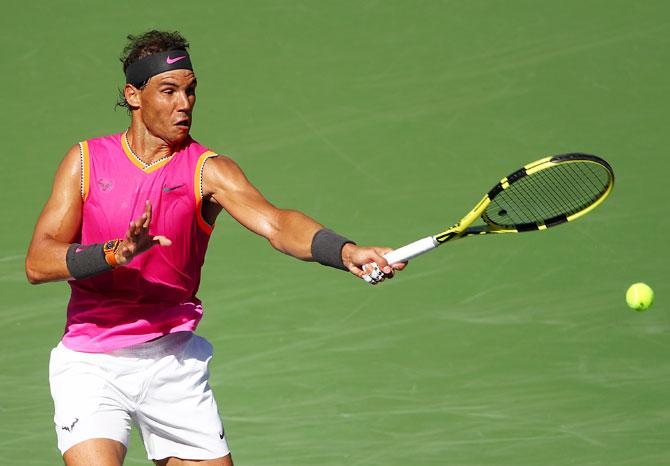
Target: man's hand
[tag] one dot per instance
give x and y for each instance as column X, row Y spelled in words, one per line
column 355, row 258
column 138, row 238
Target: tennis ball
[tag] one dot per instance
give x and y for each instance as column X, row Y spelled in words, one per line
column 639, row 296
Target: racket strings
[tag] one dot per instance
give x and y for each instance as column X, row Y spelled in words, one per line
column 588, row 182
column 564, row 190
column 594, row 175
column 569, row 195
column 521, row 205
column 575, row 181
column 559, row 190
column 572, row 187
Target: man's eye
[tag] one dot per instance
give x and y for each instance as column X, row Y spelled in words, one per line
column 168, row 91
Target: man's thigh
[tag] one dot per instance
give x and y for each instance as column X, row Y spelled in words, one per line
column 97, row 451
column 179, row 417
column 88, row 403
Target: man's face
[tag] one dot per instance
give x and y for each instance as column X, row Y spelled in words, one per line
column 166, row 105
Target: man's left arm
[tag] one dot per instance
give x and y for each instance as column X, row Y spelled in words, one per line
column 289, row 231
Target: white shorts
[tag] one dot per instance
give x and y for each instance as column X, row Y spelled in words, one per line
column 161, row 385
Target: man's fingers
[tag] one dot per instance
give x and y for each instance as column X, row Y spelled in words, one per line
column 381, row 262
column 162, row 240
column 147, row 215
column 127, row 250
column 143, row 224
column 365, row 273
column 399, row 265
column 132, row 232
column 373, row 274
column 137, row 239
column 386, row 270
column 139, row 226
column 129, row 233
column 394, row 266
column 369, row 264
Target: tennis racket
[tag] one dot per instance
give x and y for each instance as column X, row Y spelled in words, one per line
column 541, row 195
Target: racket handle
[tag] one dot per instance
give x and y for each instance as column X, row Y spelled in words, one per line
column 402, row 254
column 411, row 250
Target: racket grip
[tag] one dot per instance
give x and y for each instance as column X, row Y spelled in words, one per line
column 411, row 250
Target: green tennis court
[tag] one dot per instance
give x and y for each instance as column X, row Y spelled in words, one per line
column 386, row 120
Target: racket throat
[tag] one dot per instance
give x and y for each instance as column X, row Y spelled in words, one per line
column 446, row 236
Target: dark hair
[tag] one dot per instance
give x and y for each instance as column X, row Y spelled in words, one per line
column 143, row 45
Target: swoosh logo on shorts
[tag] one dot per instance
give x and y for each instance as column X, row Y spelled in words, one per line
column 173, row 60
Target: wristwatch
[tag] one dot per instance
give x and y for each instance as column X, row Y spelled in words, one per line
column 109, row 248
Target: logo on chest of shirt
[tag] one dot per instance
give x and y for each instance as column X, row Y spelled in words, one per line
column 167, row 189
column 105, row 185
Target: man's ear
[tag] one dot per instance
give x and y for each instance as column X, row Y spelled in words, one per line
column 132, row 95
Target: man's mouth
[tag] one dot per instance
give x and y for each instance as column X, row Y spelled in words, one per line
column 186, row 123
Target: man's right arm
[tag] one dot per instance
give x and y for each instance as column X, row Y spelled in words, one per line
column 58, row 224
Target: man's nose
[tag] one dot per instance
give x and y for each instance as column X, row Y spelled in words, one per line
column 184, row 104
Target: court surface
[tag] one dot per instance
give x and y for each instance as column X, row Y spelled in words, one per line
column 386, row 121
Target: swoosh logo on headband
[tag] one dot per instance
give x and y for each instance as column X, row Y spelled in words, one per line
column 174, row 60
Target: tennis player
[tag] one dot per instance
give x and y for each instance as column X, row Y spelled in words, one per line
column 127, row 224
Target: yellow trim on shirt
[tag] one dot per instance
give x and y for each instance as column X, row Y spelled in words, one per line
column 197, row 188
column 138, row 163
column 85, row 169
column 129, row 153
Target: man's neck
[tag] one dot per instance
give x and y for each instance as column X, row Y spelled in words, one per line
column 147, row 147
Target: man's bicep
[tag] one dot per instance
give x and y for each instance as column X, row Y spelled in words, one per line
column 61, row 216
column 225, row 184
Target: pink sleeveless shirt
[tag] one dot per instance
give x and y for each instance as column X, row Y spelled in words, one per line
column 156, row 293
